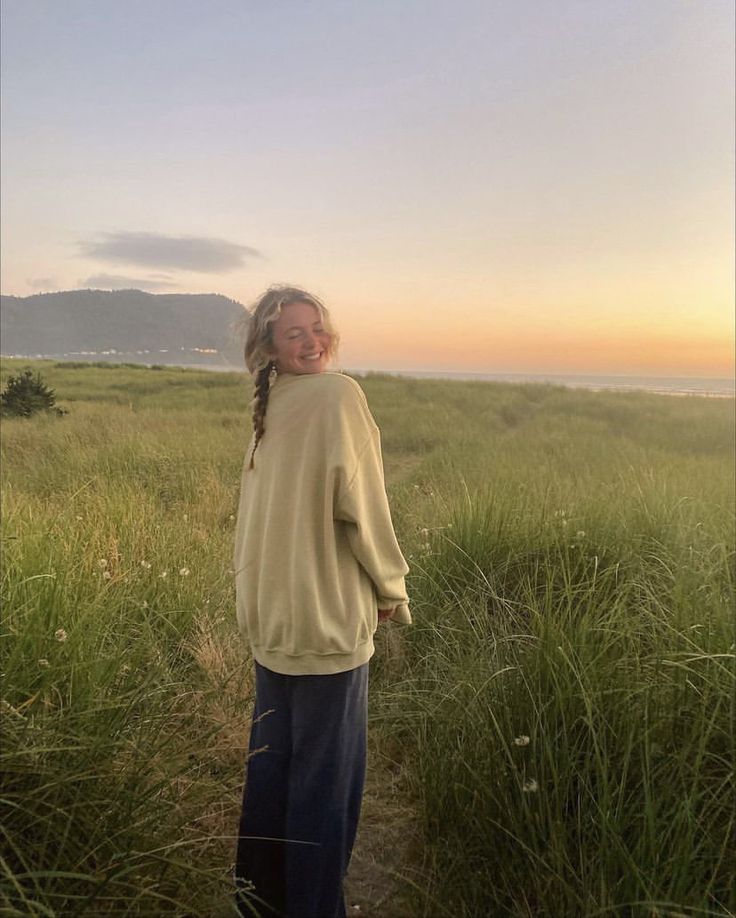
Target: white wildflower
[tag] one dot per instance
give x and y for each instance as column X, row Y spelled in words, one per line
column 43, row 663
column 580, row 534
column 530, row 786
column 184, row 571
column 102, row 562
column 146, row 565
column 144, row 604
column 60, row 635
column 163, row 575
column 522, row 740
column 107, row 575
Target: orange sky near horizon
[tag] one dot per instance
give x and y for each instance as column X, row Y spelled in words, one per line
column 657, row 332
column 504, row 350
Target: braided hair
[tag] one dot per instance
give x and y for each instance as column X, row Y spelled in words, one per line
column 260, row 403
column 259, row 346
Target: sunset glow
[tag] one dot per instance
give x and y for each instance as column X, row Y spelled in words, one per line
column 508, row 187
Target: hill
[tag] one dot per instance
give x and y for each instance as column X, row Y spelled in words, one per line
column 130, row 325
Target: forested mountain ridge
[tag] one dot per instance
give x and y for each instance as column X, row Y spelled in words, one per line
column 132, row 324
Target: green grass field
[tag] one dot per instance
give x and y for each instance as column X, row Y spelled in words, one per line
column 560, row 715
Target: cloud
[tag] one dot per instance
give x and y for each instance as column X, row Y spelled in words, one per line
column 121, row 282
column 154, row 250
column 42, row 283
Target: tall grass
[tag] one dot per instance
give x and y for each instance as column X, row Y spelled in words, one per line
column 125, row 690
column 569, row 689
column 572, row 579
column 572, row 714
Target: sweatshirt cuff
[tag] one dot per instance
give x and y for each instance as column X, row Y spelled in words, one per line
column 401, row 610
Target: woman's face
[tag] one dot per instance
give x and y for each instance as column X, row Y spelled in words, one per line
column 300, row 343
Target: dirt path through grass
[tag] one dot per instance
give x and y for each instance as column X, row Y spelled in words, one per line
column 387, row 845
column 386, row 866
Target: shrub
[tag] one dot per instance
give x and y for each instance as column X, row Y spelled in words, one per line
column 26, row 395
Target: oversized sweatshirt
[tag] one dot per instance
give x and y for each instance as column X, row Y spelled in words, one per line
column 315, row 551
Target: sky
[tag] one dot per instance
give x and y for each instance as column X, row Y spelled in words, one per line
column 493, row 186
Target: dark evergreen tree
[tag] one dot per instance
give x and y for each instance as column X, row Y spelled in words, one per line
column 26, row 394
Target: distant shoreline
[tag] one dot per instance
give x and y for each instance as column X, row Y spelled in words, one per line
column 710, row 387
column 704, row 387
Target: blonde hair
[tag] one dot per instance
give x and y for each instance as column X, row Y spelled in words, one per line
column 259, row 344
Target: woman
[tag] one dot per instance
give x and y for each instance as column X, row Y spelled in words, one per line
column 317, row 566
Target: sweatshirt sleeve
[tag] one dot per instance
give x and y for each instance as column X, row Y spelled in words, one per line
column 362, row 503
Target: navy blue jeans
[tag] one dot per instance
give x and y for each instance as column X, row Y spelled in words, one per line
column 303, row 790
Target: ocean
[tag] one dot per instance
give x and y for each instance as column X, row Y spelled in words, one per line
column 714, row 387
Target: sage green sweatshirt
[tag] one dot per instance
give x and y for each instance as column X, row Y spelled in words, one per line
column 315, row 550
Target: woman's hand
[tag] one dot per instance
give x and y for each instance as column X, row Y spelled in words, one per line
column 384, row 614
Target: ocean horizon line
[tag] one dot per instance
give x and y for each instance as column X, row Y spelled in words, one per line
column 712, row 386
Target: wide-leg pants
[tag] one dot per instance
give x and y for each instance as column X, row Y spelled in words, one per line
column 303, row 791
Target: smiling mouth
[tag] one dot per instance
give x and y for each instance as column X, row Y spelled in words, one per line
column 313, row 356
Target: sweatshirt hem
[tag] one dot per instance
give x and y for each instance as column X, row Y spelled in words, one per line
column 312, row 664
